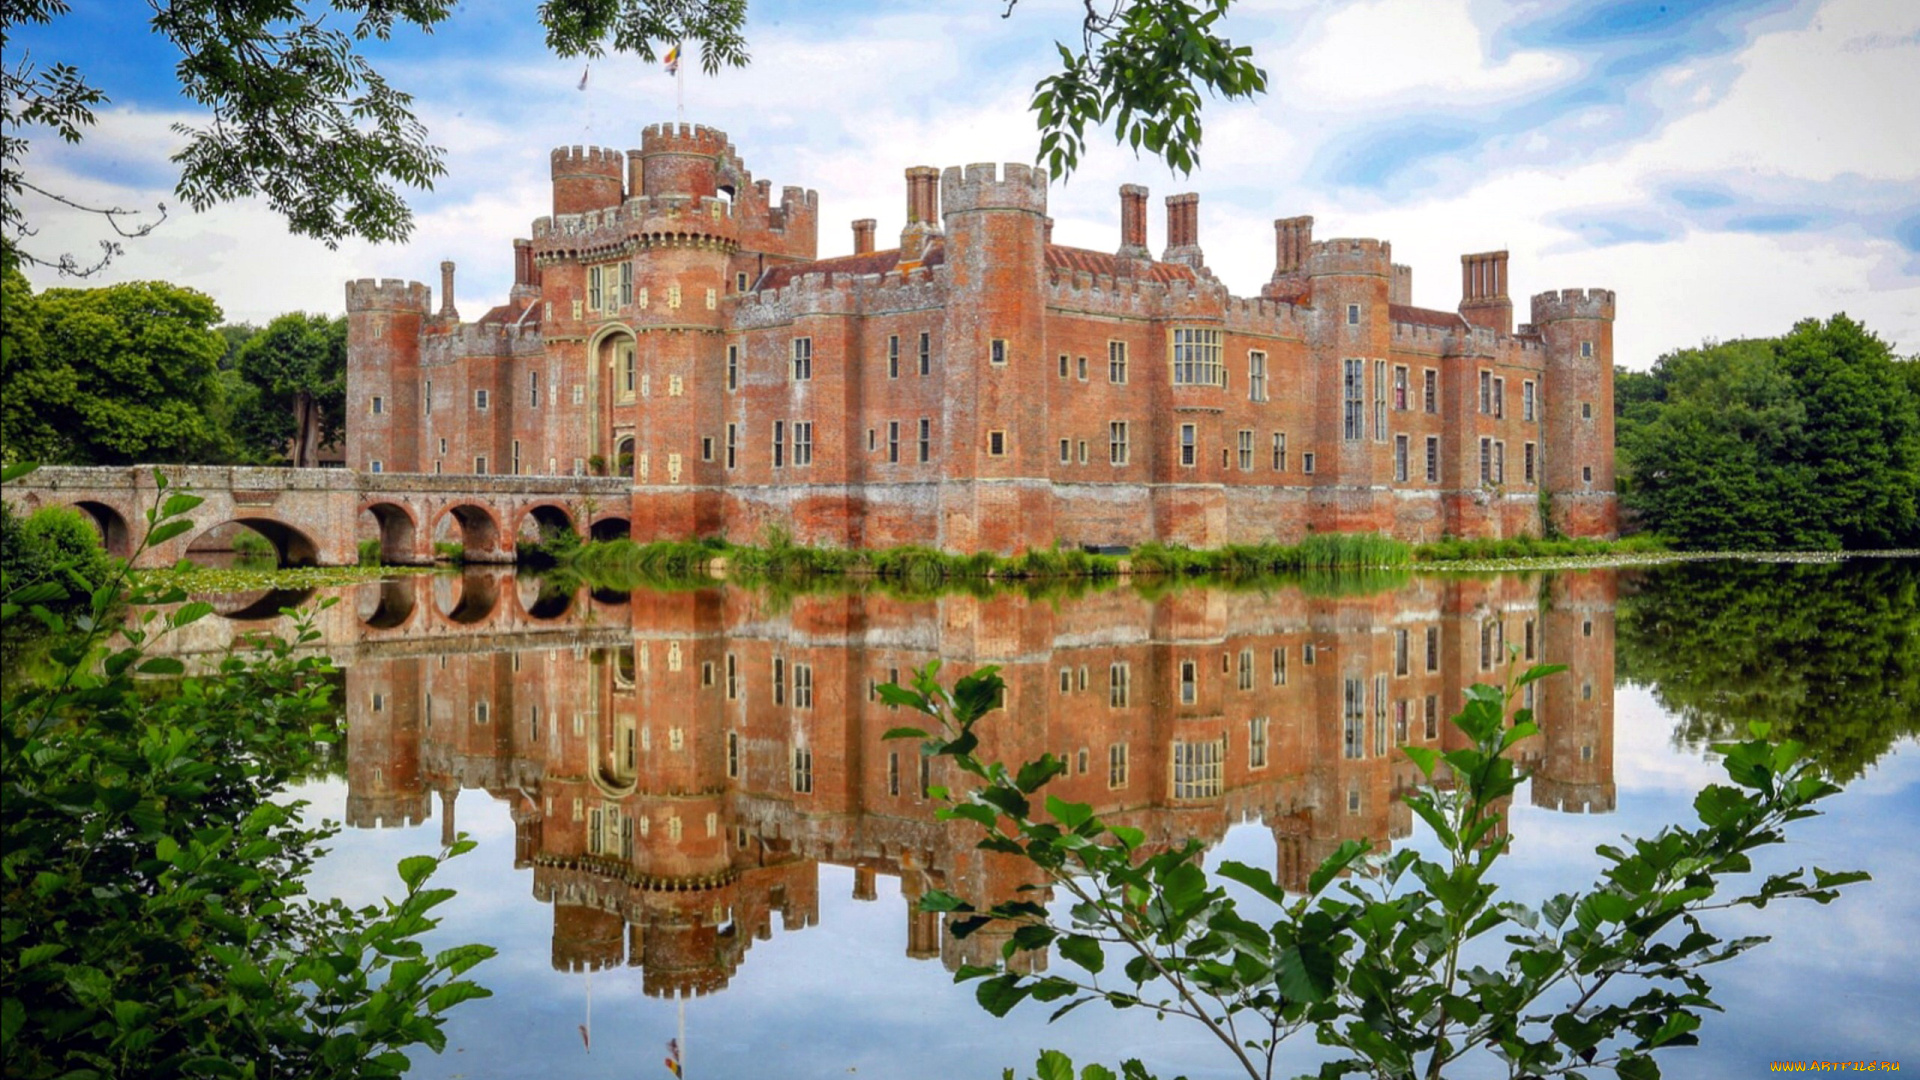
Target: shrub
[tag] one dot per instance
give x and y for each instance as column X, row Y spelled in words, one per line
column 52, row 544
column 370, row 551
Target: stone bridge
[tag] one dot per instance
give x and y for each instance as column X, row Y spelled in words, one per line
column 317, row 517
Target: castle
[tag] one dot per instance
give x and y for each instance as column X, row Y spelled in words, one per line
column 980, row 387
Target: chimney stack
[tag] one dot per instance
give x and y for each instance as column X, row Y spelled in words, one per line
column 1292, row 239
column 863, row 236
column 1133, row 222
column 1483, row 291
column 923, row 212
column 1183, row 230
column 447, row 310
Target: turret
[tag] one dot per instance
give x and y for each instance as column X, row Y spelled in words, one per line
column 383, row 372
column 1351, row 285
column 1575, row 709
column 682, row 159
column 997, row 390
column 1576, row 326
column 586, row 178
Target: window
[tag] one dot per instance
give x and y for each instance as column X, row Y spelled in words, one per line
column 1257, row 743
column 740, row 282
column 1353, row 720
column 443, row 446
column 1189, row 451
column 1586, row 350
column 997, row 352
column 1433, row 648
column 1486, row 393
column 1379, row 400
column 480, row 400
column 1526, row 640
column 893, row 774
column 1279, row 451
column 733, row 445
column 533, row 389
column 1353, row 395
column 426, row 400
column 926, row 352
column 1353, row 314
column 893, row 356
column 779, row 680
column 733, row 367
column 1493, row 636
column 596, row 294
column 1526, row 401
column 1117, row 765
column 1117, row 449
column 1080, row 368
column 803, row 686
column 1432, row 716
column 803, row 442
column 1189, row 682
column 1308, row 652
column 1256, row 376
column 1196, row 357
column 996, row 443
column 802, row 365
column 1400, row 389
column 1066, row 680
column 1119, row 686
column 733, row 677
column 1117, row 362
column 1400, row 458
column 1527, row 462
column 1082, row 446
column 376, row 466
column 626, row 283
column 1486, row 461
column 1063, row 364
column 1246, row 450
column 378, row 405
column 1433, row 459
column 628, row 368
column 1197, row 769
column 1499, row 462
column 893, row 440
column 1586, row 474
column 1499, row 399
column 1066, row 451
column 1402, row 651
column 803, row 770
column 515, row 469
column 1306, row 463
column 779, row 443
column 1586, row 410
column 926, row 440
column 1432, row 390
column 480, row 465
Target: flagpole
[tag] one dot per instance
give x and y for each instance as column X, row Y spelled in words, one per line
column 683, row 1036
column 680, row 90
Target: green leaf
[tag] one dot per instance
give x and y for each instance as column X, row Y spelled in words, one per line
column 1000, row 994
column 1335, row 865
column 415, row 869
column 904, row 732
column 1069, row 815
column 1053, row 1065
column 1253, row 878
column 161, row 665
column 940, row 900
column 1083, row 951
column 453, row 993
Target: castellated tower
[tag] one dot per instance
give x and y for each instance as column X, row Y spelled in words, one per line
column 384, row 789
column 997, row 495
column 1576, row 326
column 1352, row 284
column 384, row 320
column 586, row 178
column 1575, row 710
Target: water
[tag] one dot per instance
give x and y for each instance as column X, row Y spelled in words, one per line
column 690, row 826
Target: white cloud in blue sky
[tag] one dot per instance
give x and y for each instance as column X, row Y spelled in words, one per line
column 1727, row 166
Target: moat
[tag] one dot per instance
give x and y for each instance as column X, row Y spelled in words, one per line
column 687, row 814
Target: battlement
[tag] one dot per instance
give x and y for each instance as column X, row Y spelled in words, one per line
column 795, row 199
column 983, row 186
column 652, row 216
column 1573, row 798
column 388, row 294
column 386, row 812
column 1349, row 255
column 588, row 161
column 1572, row 304
column 686, row 139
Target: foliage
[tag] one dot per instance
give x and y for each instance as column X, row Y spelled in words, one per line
column 1807, row 441
column 110, row 376
column 452, row 551
column 1828, row 652
column 153, row 920
column 296, row 370
column 369, row 552
column 296, row 113
column 53, row 544
column 1390, row 961
column 1141, row 67
column 556, row 545
column 1456, row 549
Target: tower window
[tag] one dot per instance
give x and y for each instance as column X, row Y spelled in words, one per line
column 1353, row 314
column 996, row 443
column 998, row 352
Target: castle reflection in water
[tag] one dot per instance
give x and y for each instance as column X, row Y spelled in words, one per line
column 678, row 764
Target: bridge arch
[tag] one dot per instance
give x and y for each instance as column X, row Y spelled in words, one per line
column 397, row 529
column 391, row 604
column 545, row 599
column 262, row 604
column 115, row 535
column 291, row 545
column 479, row 598
column 478, row 529
column 611, row 528
column 542, row 520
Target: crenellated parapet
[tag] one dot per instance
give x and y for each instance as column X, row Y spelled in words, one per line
column 651, row 221
column 388, row 294
column 914, row 289
column 453, row 344
column 684, row 138
column 1554, row 306
column 1350, row 256
column 984, row 186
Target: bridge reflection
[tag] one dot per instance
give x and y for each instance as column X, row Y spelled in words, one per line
column 679, row 765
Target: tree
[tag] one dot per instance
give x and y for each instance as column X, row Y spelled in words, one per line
column 297, row 372
column 296, row 113
column 1393, row 962
column 110, row 376
column 1811, row 440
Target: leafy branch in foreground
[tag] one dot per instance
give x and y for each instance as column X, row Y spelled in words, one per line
column 153, row 915
column 1393, row 961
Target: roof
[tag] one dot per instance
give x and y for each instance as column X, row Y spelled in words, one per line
column 1059, row 259
column 512, row 313
column 1445, row 320
column 1082, row 260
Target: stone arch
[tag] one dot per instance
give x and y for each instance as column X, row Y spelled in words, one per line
column 545, row 598
column 291, row 546
column 611, row 528
column 263, row 604
column 622, row 463
column 479, row 598
column 394, row 601
column 478, row 529
column 115, row 536
column 545, row 519
column 397, row 530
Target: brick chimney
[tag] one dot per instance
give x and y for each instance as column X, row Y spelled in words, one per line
column 447, row 310
column 1183, row 230
column 923, row 212
column 863, row 236
column 1483, row 291
column 1133, row 222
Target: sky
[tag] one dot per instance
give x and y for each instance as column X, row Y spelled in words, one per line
column 1728, row 167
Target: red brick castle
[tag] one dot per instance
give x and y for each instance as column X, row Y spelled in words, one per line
column 980, row 387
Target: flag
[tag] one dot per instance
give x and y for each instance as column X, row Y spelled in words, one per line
column 673, row 1056
column 673, row 60
column 673, row 1067
column 583, row 77
column 586, row 1039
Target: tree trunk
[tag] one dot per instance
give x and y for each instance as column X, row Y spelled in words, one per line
column 303, row 430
